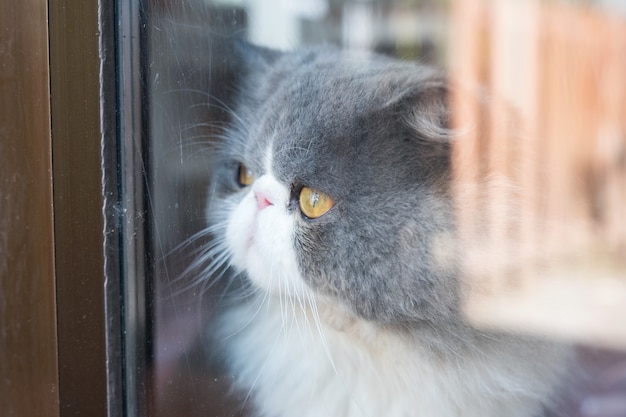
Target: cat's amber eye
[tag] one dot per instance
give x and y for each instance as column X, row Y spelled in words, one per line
column 314, row 203
column 245, row 176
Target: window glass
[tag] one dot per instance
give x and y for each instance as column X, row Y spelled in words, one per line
column 538, row 108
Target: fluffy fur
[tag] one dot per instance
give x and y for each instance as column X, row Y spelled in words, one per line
column 357, row 312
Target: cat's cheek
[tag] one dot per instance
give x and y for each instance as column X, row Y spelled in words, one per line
column 272, row 261
column 261, row 243
column 239, row 232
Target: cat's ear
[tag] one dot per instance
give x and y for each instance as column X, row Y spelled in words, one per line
column 255, row 58
column 425, row 108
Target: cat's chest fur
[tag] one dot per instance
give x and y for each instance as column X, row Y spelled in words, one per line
column 291, row 361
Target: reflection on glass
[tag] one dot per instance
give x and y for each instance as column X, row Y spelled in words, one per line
column 192, row 81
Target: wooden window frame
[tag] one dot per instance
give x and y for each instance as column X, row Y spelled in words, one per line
column 74, row 339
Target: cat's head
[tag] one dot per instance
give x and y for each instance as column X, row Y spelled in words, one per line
column 334, row 182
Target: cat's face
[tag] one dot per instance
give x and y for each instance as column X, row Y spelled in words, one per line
column 335, row 182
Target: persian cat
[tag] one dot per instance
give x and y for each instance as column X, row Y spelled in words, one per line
column 331, row 200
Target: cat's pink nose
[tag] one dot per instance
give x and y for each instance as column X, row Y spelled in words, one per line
column 261, row 200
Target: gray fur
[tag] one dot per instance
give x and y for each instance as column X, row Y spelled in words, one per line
column 371, row 132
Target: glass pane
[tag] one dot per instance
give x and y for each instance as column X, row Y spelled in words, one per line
column 508, row 67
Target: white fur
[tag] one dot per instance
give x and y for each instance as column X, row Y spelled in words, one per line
column 297, row 354
column 294, row 361
column 260, row 241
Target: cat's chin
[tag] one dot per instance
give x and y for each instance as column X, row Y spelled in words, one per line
column 282, row 280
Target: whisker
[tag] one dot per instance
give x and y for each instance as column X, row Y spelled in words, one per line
column 320, row 331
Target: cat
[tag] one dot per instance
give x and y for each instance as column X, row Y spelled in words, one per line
column 331, row 200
